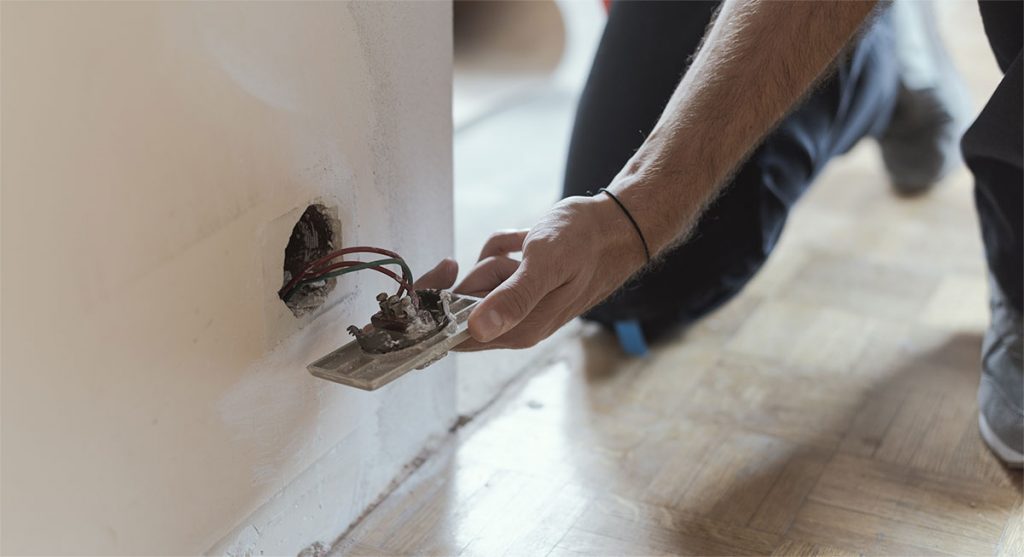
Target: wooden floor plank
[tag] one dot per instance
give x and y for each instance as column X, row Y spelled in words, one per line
column 868, row 429
column 1012, row 540
column 871, row 534
column 967, row 509
column 638, row 528
column 733, row 482
column 798, row 477
column 797, row 548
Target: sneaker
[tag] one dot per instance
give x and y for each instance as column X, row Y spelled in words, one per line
column 1001, row 391
column 922, row 142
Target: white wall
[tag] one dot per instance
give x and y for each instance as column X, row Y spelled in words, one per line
column 154, row 159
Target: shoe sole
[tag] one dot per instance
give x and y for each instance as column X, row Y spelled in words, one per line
column 1010, row 457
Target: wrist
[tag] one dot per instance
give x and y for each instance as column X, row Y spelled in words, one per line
column 621, row 241
column 664, row 208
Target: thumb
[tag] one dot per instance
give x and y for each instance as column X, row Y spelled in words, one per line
column 507, row 305
column 441, row 277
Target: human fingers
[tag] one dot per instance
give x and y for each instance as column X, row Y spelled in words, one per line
column 441, row 277
column 503, row 242
column 486, row 275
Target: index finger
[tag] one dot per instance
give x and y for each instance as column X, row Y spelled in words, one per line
column 503, row 243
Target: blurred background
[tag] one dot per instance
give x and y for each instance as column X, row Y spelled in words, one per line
column 518, row 69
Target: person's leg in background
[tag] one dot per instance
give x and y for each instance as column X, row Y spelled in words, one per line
column 993, row 149
column 643, row 53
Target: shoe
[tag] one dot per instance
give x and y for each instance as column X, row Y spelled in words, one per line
column 921, row 144
column 1001, row 391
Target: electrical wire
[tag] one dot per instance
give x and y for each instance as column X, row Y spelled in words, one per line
column 315, row 271
column 287, row 289
column 321, row 273
column 345, row 267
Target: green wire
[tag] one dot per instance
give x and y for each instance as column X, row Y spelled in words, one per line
column 360, row 267
column 406, row 273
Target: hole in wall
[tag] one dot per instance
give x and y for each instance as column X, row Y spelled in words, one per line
column 314, row 235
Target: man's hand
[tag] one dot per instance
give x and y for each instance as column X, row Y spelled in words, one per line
column 579, row 253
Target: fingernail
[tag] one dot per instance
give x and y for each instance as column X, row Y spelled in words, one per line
column 491, row 325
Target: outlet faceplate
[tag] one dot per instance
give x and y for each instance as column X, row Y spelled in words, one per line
column 350, row 365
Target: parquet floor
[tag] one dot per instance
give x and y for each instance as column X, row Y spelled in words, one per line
column 830, row 409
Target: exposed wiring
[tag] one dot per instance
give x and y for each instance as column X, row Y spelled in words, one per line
column 313, row 266
column 375, row 265
column 345, row 267
column 319, row 270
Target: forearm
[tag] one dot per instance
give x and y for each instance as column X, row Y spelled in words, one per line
column 757, row 61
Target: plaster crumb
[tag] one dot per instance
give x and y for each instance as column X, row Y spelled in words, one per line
column 318, row 549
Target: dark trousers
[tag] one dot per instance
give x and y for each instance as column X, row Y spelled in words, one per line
column 993, row 149
column 643, row 53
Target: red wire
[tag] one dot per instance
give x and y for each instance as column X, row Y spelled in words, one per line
column 345, row 251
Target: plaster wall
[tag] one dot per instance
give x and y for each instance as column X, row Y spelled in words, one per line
column 154, row 159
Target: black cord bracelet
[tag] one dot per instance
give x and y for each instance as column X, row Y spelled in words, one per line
column 647, row 251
